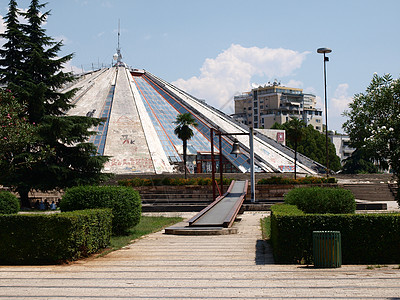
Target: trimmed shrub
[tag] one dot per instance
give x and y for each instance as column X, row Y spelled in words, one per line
column 136, row 182
column 9, row 203
column 322, row 200
column 125, row 203
column 366, row 238
column 301, row 180
column 53, row 238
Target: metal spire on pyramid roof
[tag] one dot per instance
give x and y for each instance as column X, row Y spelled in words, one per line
column 118, row 56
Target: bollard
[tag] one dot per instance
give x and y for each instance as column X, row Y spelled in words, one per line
column 327, row 249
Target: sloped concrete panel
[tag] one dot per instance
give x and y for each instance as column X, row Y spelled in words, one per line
column 160, row 159
column 126, row 142
column 92, row 93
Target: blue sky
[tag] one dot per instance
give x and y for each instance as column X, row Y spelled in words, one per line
column 215, row 49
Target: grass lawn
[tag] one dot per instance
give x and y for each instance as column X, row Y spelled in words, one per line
column 146, row 226
column 266, row 228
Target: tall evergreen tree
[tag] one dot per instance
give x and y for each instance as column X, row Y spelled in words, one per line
column 11, row 56
column 39, row 80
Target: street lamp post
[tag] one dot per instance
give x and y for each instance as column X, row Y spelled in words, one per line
column 325, row 51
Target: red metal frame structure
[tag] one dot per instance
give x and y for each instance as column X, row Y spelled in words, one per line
column 213, row 168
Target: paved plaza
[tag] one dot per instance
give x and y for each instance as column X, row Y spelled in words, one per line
column 160, row 266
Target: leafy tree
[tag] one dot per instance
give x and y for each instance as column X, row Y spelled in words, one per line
column 313, row 145
column 359, row 163
column 16, row 134
column 374, row 122
column 36, row 85
column 15, row 130
column 295, row 132
column 184, row 132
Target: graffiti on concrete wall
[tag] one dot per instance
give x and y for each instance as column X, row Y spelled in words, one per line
column 130, row 164
column 126, row 139
column 286, row 168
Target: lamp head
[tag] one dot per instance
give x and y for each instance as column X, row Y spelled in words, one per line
column 324, row 50
column 235, row 148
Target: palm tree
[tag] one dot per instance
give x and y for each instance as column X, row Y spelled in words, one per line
column 184, row 132
column 295, row 133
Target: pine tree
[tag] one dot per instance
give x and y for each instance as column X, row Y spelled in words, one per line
column 11, row 56
column 42, row 71
column 71, row 160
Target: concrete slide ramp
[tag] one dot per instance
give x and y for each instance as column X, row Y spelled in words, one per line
column 219, row 215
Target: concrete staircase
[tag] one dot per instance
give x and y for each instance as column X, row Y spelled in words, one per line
column 371, row 196
column 155, row 202
column 174, row 198
column 170, row 199
column 394, row 188
column 181, row 199
column 370, row 191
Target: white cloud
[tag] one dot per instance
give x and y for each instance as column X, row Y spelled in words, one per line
column 341, row 99
column 337, row 105
column 107, row 4
column 294, row 83
column 83, row 3
column 2, row 30
column 2, row 25
column 319, row 102
column 68, row 67
column 62, row 38
column 232, row 70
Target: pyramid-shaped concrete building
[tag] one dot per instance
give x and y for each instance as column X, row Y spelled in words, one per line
column 139, row 109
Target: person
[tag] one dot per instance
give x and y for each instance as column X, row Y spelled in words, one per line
column 53, row 205
column 37, row 204
column 46, row 204
column 41, row 205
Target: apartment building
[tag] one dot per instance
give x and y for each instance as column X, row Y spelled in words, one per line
column 265, row 105
column 342, row 145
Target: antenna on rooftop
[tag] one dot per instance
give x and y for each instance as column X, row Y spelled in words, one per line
column 119, row 32
column 118, row 56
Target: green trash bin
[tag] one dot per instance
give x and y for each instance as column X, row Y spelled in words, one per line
column 327, row 249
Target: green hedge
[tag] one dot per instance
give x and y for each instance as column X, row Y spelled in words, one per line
column 136, row 182
column 125, row 203
column 322, row 200
column 9, row 203
column 366, row 238
column 53, row 238
column 301, row 180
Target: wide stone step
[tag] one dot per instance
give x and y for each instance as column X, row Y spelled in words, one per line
column 176, row 196
column 175, row 201
column 172, row 208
